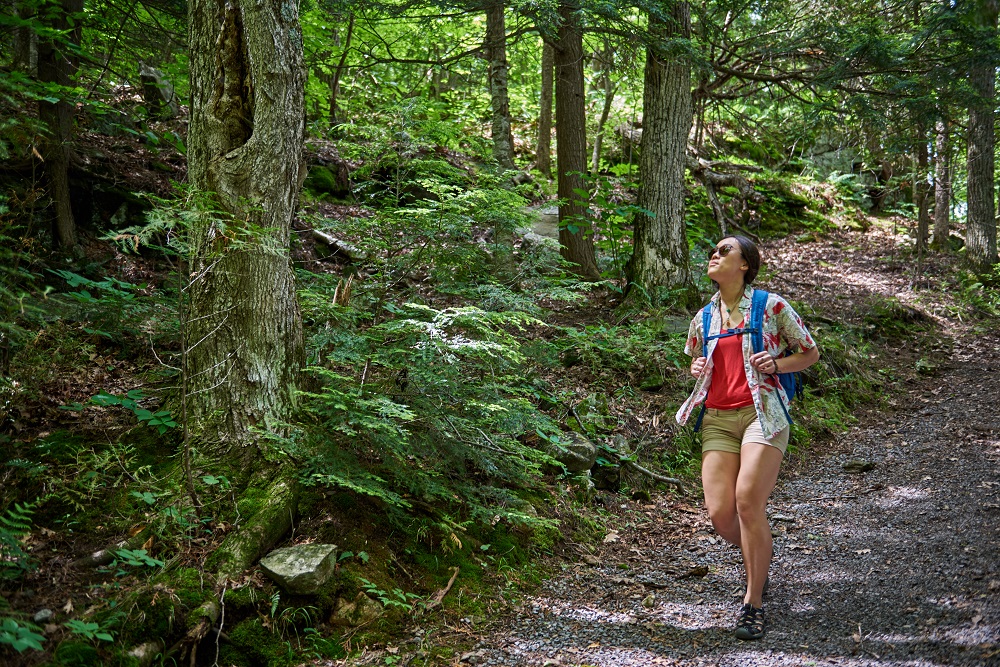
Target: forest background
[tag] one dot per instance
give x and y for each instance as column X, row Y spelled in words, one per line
column 285, row 269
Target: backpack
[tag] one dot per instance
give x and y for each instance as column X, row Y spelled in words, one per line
column 790, row 382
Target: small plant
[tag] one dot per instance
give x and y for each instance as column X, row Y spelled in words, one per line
column 133, row 558
column 15, row 523
column 87, row 630
column 19, row 637
column 162, row 420
column 396, row 598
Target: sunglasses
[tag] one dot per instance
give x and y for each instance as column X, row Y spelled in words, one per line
column 723, row 250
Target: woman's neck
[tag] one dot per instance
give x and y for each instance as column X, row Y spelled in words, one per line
column 731, row 293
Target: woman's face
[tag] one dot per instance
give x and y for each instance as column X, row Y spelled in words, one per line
column 727, row 264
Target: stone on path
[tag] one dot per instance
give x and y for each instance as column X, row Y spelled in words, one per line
column 300, row 569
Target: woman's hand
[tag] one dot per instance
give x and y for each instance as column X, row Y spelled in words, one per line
column 764, row 363
column 697, row 366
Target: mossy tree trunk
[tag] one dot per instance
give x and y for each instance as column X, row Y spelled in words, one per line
column 496, row 54
column 942, row 184
column 57, row 65
column 660, row 255
column 981, row 226
column 575, row 232
column 243, row 326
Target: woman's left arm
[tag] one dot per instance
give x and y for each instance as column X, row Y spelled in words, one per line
column 795, row 335
column 798, row 361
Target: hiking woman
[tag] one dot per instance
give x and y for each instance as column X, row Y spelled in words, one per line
column 743, row 410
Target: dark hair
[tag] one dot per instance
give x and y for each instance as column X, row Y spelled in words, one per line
column 751, row 256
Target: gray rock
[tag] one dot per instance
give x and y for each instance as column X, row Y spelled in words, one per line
column 355, row 612
column 43, row 615
column 158, row 93
column 300, row 569
column 574, row 451
column 858, row 465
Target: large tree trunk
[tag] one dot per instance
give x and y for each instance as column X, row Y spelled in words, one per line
column 921, row 188
column 543, row 153
column 496, row 53
column 981, row 226
column 942, row 184
column 660, row 255
column 243, row 329
column 57, row 65
column 575, row 231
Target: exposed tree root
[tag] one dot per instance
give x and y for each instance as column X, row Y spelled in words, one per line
column 673, row 481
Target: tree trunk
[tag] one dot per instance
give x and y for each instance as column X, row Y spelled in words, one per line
column 496, row 53
column 575, row 232
column 243, row 331
column 660, row 255
column 606, row 60
column 543, row 153
column 25, row 40
column 942, row 184
column 921, row 188
column 245, row 149
column 981, row 227
column 57, row 66
column 338, row 73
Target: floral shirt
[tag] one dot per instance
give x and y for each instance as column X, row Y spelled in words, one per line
column 783, row 330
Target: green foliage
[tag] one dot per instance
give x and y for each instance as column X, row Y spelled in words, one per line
column 161, row 420
column 15, row 523
column 394, row 599
column 118, row 310
column 20, row 637
column 87, row 630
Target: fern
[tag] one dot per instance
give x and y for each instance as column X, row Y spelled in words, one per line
column 15, row 523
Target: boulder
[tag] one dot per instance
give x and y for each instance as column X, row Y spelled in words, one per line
column 300, row 569
column 158, row 93
column 355, row 612
column 574, row 451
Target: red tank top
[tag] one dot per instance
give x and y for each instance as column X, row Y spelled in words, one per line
column 729, row 389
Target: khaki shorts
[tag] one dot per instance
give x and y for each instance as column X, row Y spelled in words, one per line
column 729, row 430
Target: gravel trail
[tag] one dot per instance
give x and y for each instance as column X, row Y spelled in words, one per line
column 893, row 565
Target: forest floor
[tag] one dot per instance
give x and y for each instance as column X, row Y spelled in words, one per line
column 886, row 536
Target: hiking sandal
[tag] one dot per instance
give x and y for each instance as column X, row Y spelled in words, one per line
column 751, row 624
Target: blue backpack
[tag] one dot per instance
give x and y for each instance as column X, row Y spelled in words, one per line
column 790, row 382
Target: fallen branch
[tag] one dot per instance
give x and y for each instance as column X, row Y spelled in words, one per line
column 673, row 481
column 352, row 252
column 439, row 596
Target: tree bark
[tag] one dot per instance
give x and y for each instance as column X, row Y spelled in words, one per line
column 496, row 53
column 660, row 254
column 244, row 329
column 25, row 41
column 57, row 66
column 338, row 73
column 942, row 184
column 575, row 231
column 981, row 228
column 606, row 60
column 543, row 153
column 921, row 190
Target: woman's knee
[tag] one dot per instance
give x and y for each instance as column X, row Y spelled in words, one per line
column 722, row 516
column 749, row 507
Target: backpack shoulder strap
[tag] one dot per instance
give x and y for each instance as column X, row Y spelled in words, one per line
column 758, row 304
column 706, row 326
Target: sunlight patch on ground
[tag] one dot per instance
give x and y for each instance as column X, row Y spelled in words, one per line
column 897, row 495
column 574, row 611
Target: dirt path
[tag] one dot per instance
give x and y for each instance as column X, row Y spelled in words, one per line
column 893, row 566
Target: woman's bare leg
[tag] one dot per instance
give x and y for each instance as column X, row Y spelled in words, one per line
column 719, row 472
column 757, row 475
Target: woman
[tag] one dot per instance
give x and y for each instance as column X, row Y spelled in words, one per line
column 745, row 424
